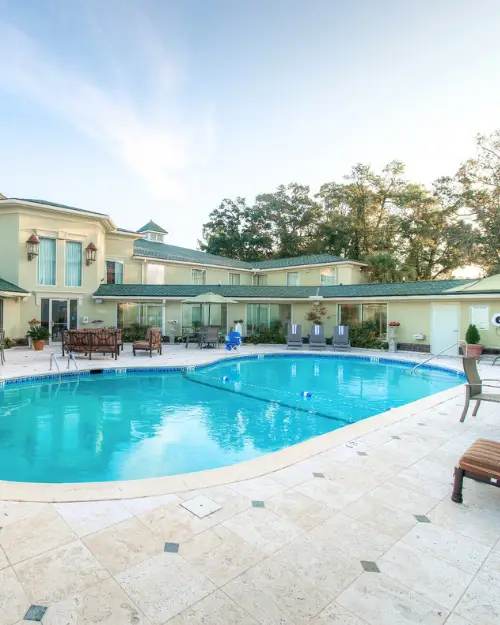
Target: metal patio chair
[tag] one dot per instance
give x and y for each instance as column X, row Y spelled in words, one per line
column 474, row 388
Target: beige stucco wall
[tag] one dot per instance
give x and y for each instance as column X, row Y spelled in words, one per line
column 9, row 251
column 415, row 318
column 491, row 335
column 121, row 249
column 11, row 316
column 311, row 276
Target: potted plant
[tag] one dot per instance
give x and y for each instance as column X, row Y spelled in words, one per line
column 472, row 337
column 38, row 335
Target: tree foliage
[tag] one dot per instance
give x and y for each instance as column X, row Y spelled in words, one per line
column 403, row 230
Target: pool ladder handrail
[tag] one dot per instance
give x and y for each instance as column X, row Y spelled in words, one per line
column 53, row 359
column 71, row 357
column 461, row 342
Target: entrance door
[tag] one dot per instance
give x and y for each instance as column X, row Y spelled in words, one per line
column 58, row 315
column 59, row 318
column 445, row 325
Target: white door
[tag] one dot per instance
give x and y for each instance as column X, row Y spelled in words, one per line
column 445, row 326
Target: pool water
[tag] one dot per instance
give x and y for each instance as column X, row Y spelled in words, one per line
column 149, row 424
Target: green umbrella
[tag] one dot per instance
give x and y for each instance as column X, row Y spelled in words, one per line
column 209, row 298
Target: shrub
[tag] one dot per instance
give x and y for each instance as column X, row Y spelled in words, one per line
column 266, row 336
column 8, row 343
column 365, row 334
column 135, row 332
column 317, row 314
column 472, row 335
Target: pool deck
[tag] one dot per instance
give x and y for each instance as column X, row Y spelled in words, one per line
column 355, row 527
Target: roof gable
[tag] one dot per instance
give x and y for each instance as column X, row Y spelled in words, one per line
column 151, row 226
column 8, row 287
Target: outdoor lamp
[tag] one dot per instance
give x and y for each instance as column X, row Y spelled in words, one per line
column 32, row 245
column 91, row 250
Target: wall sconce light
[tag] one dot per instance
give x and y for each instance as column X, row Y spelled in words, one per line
column 91, row 250
column 32, row 245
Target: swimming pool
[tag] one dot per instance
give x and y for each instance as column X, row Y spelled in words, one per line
column 138, row 424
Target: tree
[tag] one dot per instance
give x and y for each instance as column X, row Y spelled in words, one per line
column 434, row 239
column 360, row 214
column 480, row 195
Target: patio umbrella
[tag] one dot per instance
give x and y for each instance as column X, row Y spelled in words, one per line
column 209, row 298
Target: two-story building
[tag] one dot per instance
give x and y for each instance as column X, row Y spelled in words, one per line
column 74, row 268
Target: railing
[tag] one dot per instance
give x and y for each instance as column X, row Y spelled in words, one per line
column 71, row 357
column 53, row 359
column 461, row 342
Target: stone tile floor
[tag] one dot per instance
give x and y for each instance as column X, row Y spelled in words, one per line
column 362, row 534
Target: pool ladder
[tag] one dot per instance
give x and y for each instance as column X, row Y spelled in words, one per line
column 53, row 360
column 461, row 342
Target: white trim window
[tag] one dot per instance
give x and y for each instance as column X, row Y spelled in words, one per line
column 235, row 279
column 198, row 276
column 114, row 272
column 328, row 276
column 47, row 262
column 292, row 278
column 73, row 264
column 155, row 273
column 259, row 280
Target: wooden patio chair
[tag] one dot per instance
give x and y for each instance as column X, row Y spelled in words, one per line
column 474, row 388
column 153, row 341
column 481, row 462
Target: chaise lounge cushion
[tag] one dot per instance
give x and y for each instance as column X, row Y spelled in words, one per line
column 482, row 459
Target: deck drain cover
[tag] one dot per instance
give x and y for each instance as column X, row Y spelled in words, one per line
column 201, row 506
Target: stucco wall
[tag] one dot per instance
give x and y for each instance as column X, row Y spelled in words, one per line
column 490, row 337
column 9, row 251
column 121, row 249
column 11, row 317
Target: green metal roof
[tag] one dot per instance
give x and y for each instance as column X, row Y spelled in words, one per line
column 163, row 251
column 55, row 205
column 382, row 290
column 10, row 288
column 151, row 225
column 295, row 261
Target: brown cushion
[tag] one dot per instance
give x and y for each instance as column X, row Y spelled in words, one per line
column 482, row 459
column 141, row 344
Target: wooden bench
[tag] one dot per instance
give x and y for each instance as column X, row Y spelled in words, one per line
column 481, row 462
column 92, row 341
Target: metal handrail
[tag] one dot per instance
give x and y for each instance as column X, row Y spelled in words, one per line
column 53, row 358
column 461, row 342
column 71, row 356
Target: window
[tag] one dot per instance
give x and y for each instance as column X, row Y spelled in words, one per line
column 328, row 276
column 267, row 316
column 234, row 278
column 204, row 315
column 73, row 273
column 155, row 236
column 114, row 272
column 47, row 262
column 259, row 280
column 149, row 315
column 199, row 276
column 349, row 314
column 155, row 274
column 292, row 278
column 378, row 314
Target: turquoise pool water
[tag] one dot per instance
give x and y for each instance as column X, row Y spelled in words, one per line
column 148, row 424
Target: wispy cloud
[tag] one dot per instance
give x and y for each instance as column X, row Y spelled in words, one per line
column 144, row 129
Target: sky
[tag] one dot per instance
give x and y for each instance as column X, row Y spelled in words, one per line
column 159, row 109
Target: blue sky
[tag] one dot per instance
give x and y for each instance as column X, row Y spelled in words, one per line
column 160, row 108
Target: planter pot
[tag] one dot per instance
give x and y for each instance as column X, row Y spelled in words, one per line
column 474, row 351
column 38, row 345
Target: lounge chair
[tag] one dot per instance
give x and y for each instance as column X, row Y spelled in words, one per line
column 210, row 336
column 341, row 337
column 233, row 342
column 474, row 388
column 481, row 462
column 294, row 335
column 317, row 337
column 153, row 341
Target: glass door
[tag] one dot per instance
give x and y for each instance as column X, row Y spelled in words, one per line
column 58, row 318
